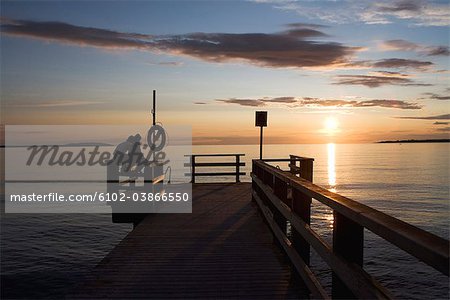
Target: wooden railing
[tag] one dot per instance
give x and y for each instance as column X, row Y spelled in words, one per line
column 284, row 197
column 195, row 164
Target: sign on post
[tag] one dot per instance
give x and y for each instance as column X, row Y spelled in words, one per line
column 261, row 121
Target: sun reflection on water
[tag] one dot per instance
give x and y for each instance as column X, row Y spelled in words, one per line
column 329, row 219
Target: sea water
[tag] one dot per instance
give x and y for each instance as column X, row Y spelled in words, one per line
column 46, row 255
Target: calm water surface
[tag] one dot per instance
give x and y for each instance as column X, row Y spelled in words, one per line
column 44, row 255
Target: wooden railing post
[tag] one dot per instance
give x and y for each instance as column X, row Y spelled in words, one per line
column 280, row 190
column 292, row 164
column 112, row 175
column 301, row 206
column 306, row 169
column 148, row 178
column 268, row 178
column 193, row 168
column 237, row 168
column 265, row 176
column 348, row 242
column 254, row 185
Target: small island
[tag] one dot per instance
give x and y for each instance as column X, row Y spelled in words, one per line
column 416, row 141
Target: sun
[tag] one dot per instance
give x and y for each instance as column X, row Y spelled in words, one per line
column 331, row 125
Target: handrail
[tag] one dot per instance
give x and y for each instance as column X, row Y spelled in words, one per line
column 288, row 197
column 195, row 164
column 287, row 159
column 216, row 154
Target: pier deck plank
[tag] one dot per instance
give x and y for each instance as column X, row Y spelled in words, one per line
column 222, row 250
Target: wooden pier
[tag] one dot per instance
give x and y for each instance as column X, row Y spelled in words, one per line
column 223, row 249
column 253, row 241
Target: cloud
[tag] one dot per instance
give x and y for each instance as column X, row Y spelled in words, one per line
column 292, row 102
column 439, row 50
column 388, row 103
column 200, row 103
column 417, row 12
column 389, row 74
column 280, row 100
column 443, row 129
column 365, row 103
column 439, row 117
column 391, row 63
column 403, row 45
column 373, row 81
column 399, row 45
column 304, row 30
column 259, row 102
column 402, row 63
column 306, row 25
column 436, row 96
column 278, row 50
column 441, row 123
column 286, row 101
column 243, row 102
column 166, row 63
column 400, row 6
column 287, row 49
column 420, row 12
column 75, row 35
column 442, row 71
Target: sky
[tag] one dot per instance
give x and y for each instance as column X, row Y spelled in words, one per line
column 326, row 71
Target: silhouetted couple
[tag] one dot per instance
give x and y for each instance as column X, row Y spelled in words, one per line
column 128, row 155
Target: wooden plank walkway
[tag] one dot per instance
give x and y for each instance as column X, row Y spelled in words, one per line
column 222, row 250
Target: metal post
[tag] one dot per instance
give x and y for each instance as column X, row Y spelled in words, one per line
column 260, row 142
column 154, row 107
column 237, row 167
column 193, row 168
column 261, row 121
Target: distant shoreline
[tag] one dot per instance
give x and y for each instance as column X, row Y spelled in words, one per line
column 194, row 144
column 416, row 141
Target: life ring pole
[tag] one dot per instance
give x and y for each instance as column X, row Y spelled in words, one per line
column 154, row 107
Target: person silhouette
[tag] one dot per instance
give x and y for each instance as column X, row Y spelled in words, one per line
column 139, row 162
column 121, row 154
